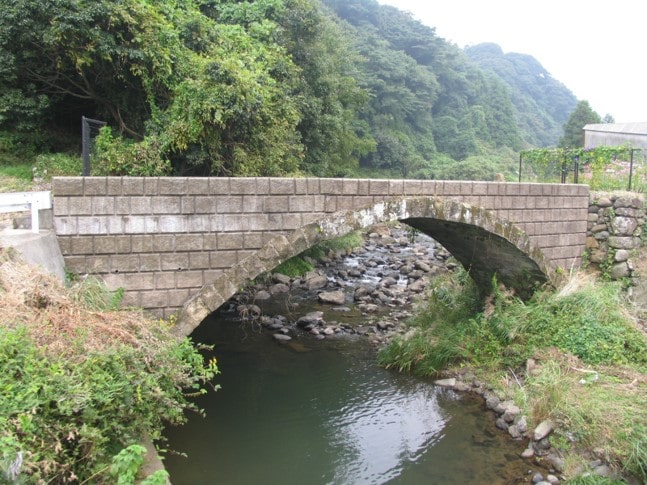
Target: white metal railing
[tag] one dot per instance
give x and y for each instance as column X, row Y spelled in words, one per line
column 26, row 201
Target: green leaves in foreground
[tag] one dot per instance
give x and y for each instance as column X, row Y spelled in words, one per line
column 67, row 418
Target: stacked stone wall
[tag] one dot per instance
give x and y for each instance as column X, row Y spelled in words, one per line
column 616, row 228
column 163, row 238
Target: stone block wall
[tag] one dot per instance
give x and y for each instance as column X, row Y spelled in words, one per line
column 616, row 226
column 162, row 238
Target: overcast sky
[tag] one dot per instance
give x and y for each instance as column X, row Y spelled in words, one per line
column 597, row 49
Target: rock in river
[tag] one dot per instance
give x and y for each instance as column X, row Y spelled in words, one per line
column 335, row 297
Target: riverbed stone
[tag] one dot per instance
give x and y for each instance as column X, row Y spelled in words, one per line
column 341, row 309
column 417, row 286
column 279, row 289
column 513, row 431
column 281, row 337
column 528, row 452
column 619, row 271
column 522, row 424
column 556, row 461
column 316, row 282
column 368, row 307
column 543, row 429
column 281, row 278
column 422, row 266
column 450, row 382
column 334, row 297
column 501, row 424
column 310, row 319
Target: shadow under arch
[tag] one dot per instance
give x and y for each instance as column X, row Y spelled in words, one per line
column 485, row 245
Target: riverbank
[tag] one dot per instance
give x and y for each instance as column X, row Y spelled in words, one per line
column 564, row 373
column 83, row 384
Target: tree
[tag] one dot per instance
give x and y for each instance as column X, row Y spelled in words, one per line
column 581, row 116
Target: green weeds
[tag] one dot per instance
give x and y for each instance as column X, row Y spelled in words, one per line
column 591, row 359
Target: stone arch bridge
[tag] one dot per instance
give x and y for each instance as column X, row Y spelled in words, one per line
column 188, row 244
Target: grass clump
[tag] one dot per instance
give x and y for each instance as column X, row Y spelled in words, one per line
column 303, row 263
column 590, row 359
column 79, row 384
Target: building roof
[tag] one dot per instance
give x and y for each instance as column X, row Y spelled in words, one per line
column 625, row 128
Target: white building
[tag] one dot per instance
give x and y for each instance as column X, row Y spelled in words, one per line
column 616, row 134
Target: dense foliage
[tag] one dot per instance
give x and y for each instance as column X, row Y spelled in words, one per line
column 81, row 383
column 264, row 87
column 542, row 104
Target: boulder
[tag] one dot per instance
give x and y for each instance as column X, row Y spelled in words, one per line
column 334, row 297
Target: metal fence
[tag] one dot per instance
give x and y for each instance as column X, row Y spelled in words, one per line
column 566, row 166
column 89, row 129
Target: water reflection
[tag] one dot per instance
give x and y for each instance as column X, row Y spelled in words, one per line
column 326, row 414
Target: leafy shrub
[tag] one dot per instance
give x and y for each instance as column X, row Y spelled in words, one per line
column 79, row 384
column 68, row 418
column 118, row 156
column 50, row 165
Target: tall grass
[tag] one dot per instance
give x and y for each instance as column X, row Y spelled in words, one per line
column 591, row 357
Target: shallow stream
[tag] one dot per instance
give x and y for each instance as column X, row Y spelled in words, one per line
column 321, row 411
column 318, row 410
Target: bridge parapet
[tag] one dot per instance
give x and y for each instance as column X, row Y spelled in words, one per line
column 163, row 238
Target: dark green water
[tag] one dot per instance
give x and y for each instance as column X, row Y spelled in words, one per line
column 321, row 412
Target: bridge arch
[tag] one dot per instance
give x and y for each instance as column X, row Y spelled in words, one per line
column 484, row 244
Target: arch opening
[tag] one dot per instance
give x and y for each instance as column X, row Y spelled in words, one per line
column 484, row 245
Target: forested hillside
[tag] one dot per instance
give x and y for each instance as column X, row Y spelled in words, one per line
column 542, row 104
column 265, row 87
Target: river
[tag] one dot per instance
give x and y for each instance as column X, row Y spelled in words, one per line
column 318, row 410
column 322, row 412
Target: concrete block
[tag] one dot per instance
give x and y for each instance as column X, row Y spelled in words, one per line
column 95, row 186
column 242, row 186
column 114, row 186
column 141, row 243
column 189, row 279
column 284, row 186
column 132, row 186
column 378, row 187
column 66, row 186
column 103, row 205
column 199, row 260
column 330, row 186
column 396, row 187
column 171, row 224
column 187, row 204
column 163, row 243
column 198, row 186
column 229, row 204
column 278, row 204
column 219, row 186
column 174, row 261
column 150, row 262
column 172, row 186
column 166, row 205
column 39, row 249
column 78, row 206
column 227, row 241
column 124, row 263
column 188, row 242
